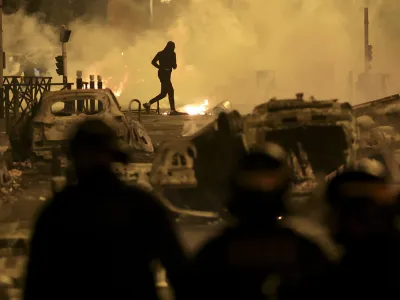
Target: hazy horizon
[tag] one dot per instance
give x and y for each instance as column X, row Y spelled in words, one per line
column 311, row 47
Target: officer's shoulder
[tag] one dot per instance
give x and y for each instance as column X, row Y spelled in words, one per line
column 314, row 237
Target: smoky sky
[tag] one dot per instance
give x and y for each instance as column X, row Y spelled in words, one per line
column 310, row 46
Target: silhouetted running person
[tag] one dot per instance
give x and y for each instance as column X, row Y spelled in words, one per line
column 165, row 61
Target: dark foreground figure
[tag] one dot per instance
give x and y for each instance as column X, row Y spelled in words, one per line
column 364, row 213
column 97, row 239
column 260, row 258
column 165, row 62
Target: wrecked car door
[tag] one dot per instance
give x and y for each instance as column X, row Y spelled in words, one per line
column 379, row 125
column 384, row 111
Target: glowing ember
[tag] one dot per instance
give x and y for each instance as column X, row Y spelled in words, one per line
column 119, row 88
column 194, row 110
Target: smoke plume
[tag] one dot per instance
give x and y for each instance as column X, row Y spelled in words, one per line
column 310, row 46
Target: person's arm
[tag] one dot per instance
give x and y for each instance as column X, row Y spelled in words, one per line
column 155, row 60
column 174, row 65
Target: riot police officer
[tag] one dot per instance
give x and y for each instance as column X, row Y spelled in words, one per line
column 257, row 256
column 364, row 208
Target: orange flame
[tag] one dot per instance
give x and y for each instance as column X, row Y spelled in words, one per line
column 194, row 109
column 116, row 88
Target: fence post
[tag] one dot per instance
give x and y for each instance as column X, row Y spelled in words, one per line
column 99, row 82
column 15, row 103
column 79, row 86
column 100, row 86
column 7, row 109
column 79, row 81
column 92, row 101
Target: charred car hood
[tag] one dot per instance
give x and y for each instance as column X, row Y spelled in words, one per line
column 319, row 136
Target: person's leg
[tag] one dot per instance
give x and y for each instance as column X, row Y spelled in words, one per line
column 163, row 93
column 171, row 94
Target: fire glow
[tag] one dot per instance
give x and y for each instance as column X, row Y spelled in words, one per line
column 118, row 88
column 194, row 110
column 109, row 82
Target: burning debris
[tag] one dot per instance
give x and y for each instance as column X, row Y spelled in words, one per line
column 191, row 127
column 116, row 88
column 116, row 85
column 194, row 110
column 108, row 83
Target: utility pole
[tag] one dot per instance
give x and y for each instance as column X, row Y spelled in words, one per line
column 366, row 41
column 1, row 67
column 61, row 61
column 64, row 55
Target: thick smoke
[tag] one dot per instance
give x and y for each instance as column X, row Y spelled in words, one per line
column 310, row 45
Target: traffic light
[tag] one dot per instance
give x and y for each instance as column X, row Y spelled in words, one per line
column 60, row 65
column 65, row 34
column 370, row 53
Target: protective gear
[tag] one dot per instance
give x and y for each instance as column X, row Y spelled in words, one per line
column 363, row 210
column 259, row 186
column 260, row 257
column 363, row 180
column 363, row 203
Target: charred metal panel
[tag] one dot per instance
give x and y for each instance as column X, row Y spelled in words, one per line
column 379, row 125
column 52, row 129
column 376, row 107
column 174, row 165
column 135, row 173
column 326, row 130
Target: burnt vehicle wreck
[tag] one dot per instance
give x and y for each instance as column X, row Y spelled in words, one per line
column 50, row 121
column 321, row 137
column 379, row 127
column 191, row 172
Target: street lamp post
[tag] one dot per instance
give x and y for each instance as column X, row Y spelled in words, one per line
column 151, row 3
column 2, row 124
column 366, row 41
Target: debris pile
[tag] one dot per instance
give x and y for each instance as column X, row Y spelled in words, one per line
column 11, row 180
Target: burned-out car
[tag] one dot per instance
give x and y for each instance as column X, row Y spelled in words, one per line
column 319, row 135
column 58, row 112
column 379, row 126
